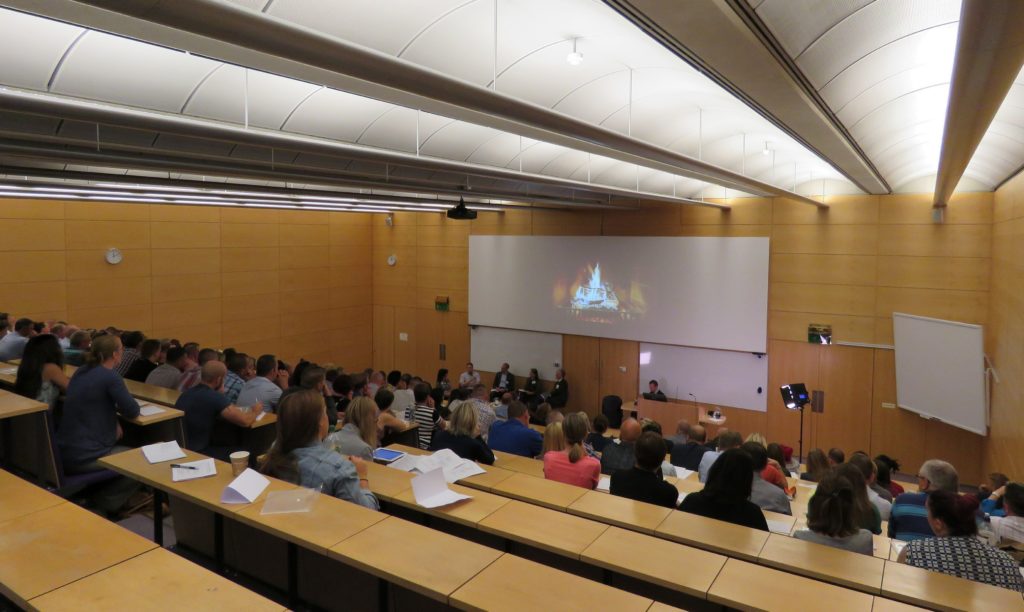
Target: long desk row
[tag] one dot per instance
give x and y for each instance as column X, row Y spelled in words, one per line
column 404, row 558
column 874, row 575
column 57, row 556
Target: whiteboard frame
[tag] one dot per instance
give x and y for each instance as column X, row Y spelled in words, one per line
column 722, row 392
column 520, row 366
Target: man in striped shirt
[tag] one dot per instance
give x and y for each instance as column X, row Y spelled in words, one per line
column 909, row 517
column 425, row 414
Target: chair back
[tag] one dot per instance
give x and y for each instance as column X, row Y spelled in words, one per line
column 611, row 407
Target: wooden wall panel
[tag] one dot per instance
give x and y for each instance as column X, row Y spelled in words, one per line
column 619, row 370
column 384, row 337
column 894, row 432
column 581, row 359
column 790, row 362
column 846, row 421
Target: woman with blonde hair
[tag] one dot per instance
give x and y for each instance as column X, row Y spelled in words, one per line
column 300, row 457
column 358, row 433
column 554, row 439
column 573, row 466
column 772, row 472
column 463, row 436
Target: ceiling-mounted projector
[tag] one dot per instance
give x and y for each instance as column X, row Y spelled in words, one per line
column 461, row 212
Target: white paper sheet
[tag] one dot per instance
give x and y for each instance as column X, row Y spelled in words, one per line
column 259, row 417
column 149, row 409
column 204, row 468
column 683, row 473
column 453, row 467
column 162, row 451
column 9, row 371
column 782, row 527
column 406, row 463
column 430, row 490
column 464, row 469
column 604, row 483
column 245, row 489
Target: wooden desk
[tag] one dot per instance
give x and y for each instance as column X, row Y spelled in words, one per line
column 412, row 450
column 888, row 605
column 543, row 528
column 18, row 497
column 387, row 482
column 429, row 562
column 523, row 465
column 157, row 580
column 626, row 513
column 13, row 405
column 667, row 564
column 26, row 443
column 152, row 393
column 501, row 457
column 328, row 522
column 939, row 591
column 881, row 547
column 548, row 493
column 710, row 534
column 486, row 481
column 515, row 584
column 783, row 522
column 468, row 512
column 690, row 484
column 51, row 548
column 747, row 586
column 822, row 562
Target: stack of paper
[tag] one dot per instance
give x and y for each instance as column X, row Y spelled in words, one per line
column 162, row 451
column 149, row 409
column 245, row 489
column 451, row 465
column 604, row 483
column 782, row 527
column 430, row 490
column 193, row 470
column 9, row 371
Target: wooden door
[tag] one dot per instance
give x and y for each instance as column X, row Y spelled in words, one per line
column 790, row 362
column 845, row 374
column 581, row 360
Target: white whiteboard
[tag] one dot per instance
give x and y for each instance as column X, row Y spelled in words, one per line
column 686, row 291
column 940, row 370
column 726, row 378
column 492, row 346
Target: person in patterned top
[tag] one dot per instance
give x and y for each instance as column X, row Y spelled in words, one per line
column 956, row 549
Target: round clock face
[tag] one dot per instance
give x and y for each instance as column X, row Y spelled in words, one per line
column 392, row 260
column 114, row 256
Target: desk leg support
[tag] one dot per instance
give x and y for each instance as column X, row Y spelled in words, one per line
column 218, row 541
column 382, row 595
column 158, row 517
column 293, row 576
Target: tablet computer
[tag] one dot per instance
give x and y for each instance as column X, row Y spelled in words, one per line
column 384, row 455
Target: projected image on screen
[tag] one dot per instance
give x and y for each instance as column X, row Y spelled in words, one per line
column 594, row 297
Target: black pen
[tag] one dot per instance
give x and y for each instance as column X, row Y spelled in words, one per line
column 184, row 467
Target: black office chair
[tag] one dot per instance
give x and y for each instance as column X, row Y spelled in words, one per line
column 611, row 407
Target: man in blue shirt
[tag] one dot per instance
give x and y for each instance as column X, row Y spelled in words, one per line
column 909, row 517
column 204, row 403
column 515, row 435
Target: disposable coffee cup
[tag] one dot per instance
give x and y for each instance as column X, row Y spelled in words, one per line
column 239, row 461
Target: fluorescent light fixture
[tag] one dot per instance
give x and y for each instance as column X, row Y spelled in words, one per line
column 575, row 58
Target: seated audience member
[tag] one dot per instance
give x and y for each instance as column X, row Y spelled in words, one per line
column 504, row 382
column 726, row 496
column 555, row 416
column 621, row 455
column 132, row 341
column 573, row 466
column 515, row 435
column 530, row 393
column 234, row 381
column 299, row 456
column 836, row 456
column 501, row 410
column 726, row 441
column 865, row 514
column 203, row 404
column 358, row 434
column 778, row 455
column 688, row 455
column 559, row 396
column 262, row 387
column 817, row 466
column 908, row 519
column 766, row 495
column 1010, row 526
column 682, row 435
column 149, row 359
column 539, row 416
column 89, row 428
column 830, row 517
column 343, row 396
column 168, row 374
column 713, row 443
column 308, row 375
column 485, row 414
column 463, row 436
column 996, row 481
column 386, row 420
column 443, row 382
column 870, row 472
column 13, row 344
column 193, row 371
column 425, row 414
column 883, row 479
column 894, row 467
column 377, row 381
column 955, row 548
column 470, row 378
column 554, row 439
column 654, row 393
column 41, row 371
column 596, row 438
column 647, row 425
column 394, row 379
column 79, row 344
column 644, row 482
column 404, row 400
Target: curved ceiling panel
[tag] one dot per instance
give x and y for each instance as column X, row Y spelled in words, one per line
column 39, row 45
column 1002, row 147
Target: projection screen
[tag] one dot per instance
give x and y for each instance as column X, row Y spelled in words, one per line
column 693, row 291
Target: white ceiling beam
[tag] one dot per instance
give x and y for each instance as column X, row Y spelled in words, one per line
column 235, row 34
column 989, row 56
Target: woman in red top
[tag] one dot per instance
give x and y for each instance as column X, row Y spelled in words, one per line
column 886, row 467
column 573, row 466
